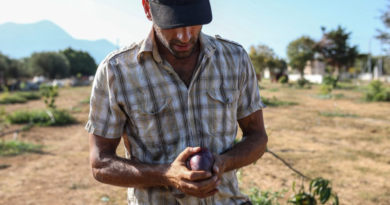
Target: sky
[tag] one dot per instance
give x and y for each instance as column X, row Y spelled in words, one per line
column 274, row 23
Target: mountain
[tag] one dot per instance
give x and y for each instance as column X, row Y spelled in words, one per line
column 21, row 40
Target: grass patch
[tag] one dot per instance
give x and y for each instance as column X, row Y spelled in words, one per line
column 266, row 197
column 345, row 86
column 12, row 148
column 274, row 102
column 273, row 90
column 18, row 97
column 337, row 114
column 330, row 96
column 86, row 101
column 52, row 117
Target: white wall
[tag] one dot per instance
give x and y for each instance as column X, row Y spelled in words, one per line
column 311, row 78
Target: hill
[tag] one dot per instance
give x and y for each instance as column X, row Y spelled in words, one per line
column 21, row 40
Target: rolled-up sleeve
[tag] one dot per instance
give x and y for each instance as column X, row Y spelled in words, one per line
column 106, row 119
column 249, row 100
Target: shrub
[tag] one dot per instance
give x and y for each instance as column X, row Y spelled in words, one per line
column 302, row 82
column 274, row 102
column 49, row 94
column 319, row 189
column 283, row 80
column 18, row 97
column 50, row 117
column 329, row 83
column 11, row 148
column 29, row 95
column 11, row 99
column 266, row 197
column 376, row 92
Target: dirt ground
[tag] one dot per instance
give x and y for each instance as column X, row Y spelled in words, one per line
column 352, row 152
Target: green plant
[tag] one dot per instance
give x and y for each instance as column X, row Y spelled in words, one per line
column 29, row 95
column 274, row 102
column 52, row 117
column 283, row 80
column 11, row 99
column 49, row 94
column 86, row 101
column 336, row 114
column 302, row 82
column 319, row 189
column 12, row 148
column 329, row 83
column 376, row 92
column 266, row 197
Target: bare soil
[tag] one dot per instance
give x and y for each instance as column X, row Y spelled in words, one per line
column 352, row 152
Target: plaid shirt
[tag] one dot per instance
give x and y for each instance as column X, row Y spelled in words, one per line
column 136, row 90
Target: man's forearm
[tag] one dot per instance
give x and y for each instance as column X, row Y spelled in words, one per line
column 251, row 148
column 122, row 172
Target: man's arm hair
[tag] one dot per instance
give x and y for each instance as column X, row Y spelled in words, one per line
column 109, row 168
column 251, row 147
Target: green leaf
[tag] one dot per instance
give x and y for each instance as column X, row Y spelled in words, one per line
column 326, row 195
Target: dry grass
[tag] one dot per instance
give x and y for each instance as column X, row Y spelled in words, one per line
column 353, row 152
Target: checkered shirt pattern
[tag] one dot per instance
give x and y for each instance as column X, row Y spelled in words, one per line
column 135, row 90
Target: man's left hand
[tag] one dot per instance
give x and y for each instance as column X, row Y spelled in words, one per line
column 218, row 166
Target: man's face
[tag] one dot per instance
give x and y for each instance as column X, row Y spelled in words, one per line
column 179, row 41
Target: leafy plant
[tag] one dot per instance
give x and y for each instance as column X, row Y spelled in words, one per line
column 376, row 92
column 336, row 114
column 274, row 102
column 319, row 190
column 283, row 80
column 329, row 83
column 11, row 148
column 49, row 93
column 266, row 197
column 52, row 117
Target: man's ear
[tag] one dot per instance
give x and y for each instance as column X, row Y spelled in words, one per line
column 145, row 4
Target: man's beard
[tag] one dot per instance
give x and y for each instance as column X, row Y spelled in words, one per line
column 170, row 47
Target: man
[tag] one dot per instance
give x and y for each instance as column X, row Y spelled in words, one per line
column 176, row 91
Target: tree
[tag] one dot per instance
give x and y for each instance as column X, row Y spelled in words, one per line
column 299, row 52
column 335, row 51
column 49, row 64
column 80, row 62
column 9, row 69
column 384, row 35
column 262, row 57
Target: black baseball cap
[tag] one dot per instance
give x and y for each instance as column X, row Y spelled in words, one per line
column 169, row 14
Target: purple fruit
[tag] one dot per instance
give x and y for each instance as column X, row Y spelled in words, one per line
column 201, row 161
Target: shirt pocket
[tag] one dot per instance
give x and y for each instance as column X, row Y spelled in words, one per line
column 155, row 129
column 222, row 109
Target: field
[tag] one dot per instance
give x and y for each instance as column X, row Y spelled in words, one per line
column 345, row 140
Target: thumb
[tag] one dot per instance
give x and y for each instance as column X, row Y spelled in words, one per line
column 184, row 155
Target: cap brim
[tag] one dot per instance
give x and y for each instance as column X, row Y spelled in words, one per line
column 181, row 15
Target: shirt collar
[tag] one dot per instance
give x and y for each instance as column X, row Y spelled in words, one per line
column 149, row 46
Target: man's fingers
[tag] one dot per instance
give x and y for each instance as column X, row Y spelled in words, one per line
column 203, row 195
column 184, row 155
column 204, row 186
column 217, row 163
column 196, row 175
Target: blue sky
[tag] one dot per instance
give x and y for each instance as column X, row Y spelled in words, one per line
column 249, row 22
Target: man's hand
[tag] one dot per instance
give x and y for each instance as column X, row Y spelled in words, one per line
column 218, row 166
column 200, row 184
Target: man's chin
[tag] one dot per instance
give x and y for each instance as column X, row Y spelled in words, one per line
column 182, row 55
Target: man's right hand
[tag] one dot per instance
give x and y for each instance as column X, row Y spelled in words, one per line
column 200, row 184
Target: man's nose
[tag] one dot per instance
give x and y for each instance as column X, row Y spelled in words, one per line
column 184, row 34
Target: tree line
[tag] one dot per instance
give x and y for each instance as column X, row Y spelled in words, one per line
column 333, row 49
column 52, row 65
